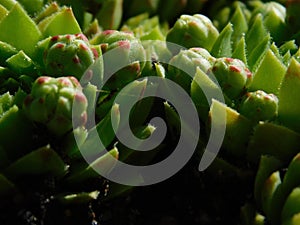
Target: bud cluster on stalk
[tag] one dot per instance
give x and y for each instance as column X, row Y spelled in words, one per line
column 69, row 55
column 247, row 52
column 51, row 101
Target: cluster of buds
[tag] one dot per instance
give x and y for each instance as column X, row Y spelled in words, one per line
column 51, row 103
column 278, row 193
column 123, row 51
column 233, row 76
column 182, row 67
column 193, row 31
column 259, row 106
column 69, row 55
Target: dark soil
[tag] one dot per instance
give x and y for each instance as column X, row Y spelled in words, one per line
column 188, row 198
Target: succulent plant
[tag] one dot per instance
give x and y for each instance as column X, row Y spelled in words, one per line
column 278, row 196
column 259, row 106
column 123, row 57
column 182, row 66
column 68, row 55
column 232, row 75
column 244, row 53
column 193, row 31
column 50, row 103
column 274, row 17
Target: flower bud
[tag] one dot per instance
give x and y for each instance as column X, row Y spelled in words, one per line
column 51, row 103
column 259, row 106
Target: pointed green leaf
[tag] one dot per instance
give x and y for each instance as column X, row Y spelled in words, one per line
column 130, row 155
column 18, row 24
column 173, row 120
column 269, row 188
column 255, row 34
column 102, row 132
column 73, row 141
column 240, row 25
column 222, row 46
column 269, row 74
column 275, row 140
column 292, row 205
column 21, row 63
column 134, row 92
column 48, row 11
column 62, row 22
column 39, row 162
column 110, row 15
column 289, row 107
column 267, row 166
column 6, row 51
column 288, row 46
column 287, row 58
column 201, row 102
column 90, row 92
column 104, row 163
column 11, row 121
column 6, row 101
column 290, row 181
column 292, row 176
column 240, row 51
column 32, row 6
column 255, row 56
column 238, row 130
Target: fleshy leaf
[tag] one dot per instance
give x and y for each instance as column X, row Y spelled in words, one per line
column 110, row 14
column 103, row 131
column 18, row 24
column 6, row 101
column 197, row 94
column 48, row 11
column 288, row 46
column 240, row 25
column 267, row 166
column 173, row 120
column 32, row 6
column 130, row 155
column 6, row 51
column 275, row 140
column 291, row 205
column 240, row 51
column 289, row 107
column 222, row 46
column 269, row 74
column 290, row 181
column 255, row 56
column 21, row 63
column 14, row 120
column 255, row 34
column 238, row 130
column 270, row 186
column 292, row 175
column 39, row 162
column 85, row 172
column 62, row 22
